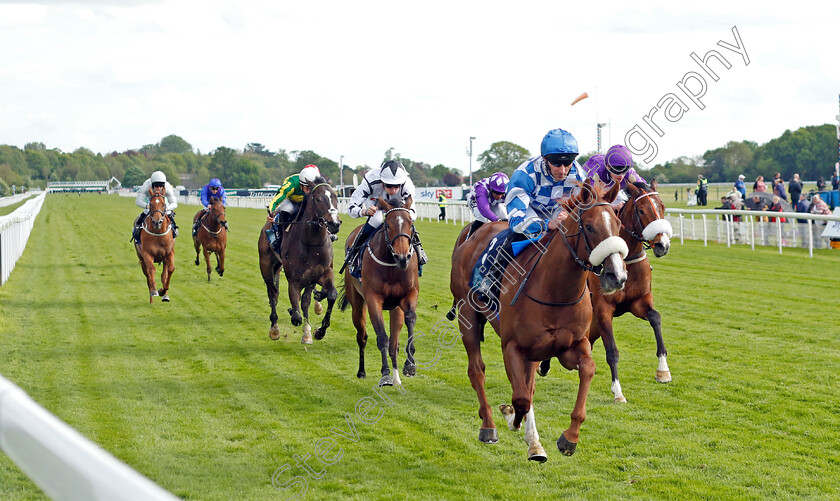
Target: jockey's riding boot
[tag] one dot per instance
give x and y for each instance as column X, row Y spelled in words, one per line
column 418, row 248
column 474, row 227
column 282, row 219
column 138, row 223
column 361, row 237
column 174, row 226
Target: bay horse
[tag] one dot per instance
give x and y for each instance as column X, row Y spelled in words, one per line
column 307, row 261
column 157, row 245
column 390, row 282
column 643, row 224
column 553, row 314
column 210, row 238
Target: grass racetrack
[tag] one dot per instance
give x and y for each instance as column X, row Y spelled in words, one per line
column 195, row 396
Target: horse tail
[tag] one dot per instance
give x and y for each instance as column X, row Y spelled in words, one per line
column 342, row 298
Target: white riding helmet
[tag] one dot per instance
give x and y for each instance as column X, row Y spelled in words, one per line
column 309, row 174
column 158, row 177
column 393, row 173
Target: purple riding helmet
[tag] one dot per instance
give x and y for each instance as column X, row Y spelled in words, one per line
column 618, row 159
column 498, row 182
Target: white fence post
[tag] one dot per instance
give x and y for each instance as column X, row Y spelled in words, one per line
column 14, row 233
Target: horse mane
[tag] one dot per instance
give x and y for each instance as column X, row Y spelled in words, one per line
column 642, row 186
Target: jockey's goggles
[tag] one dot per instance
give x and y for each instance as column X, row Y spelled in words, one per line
column 214, row 188
column 158, row 185
column 392, row 185
column 561, row 159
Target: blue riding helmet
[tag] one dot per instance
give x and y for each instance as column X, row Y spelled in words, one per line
column 215, row 183
column 558, row 141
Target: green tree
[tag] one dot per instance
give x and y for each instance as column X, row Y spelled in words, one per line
column 502, row 156
column 243, row 173
column 134, row 176
column 174, row 144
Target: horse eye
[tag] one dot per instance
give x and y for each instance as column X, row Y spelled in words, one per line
column 588, row 227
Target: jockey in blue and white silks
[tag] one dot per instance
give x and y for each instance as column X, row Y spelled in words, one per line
column 537, row 185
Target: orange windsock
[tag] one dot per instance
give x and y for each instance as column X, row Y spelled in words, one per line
column 580, row 98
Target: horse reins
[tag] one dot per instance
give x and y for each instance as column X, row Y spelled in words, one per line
column 637, row 220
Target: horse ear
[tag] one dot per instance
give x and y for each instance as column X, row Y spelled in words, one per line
column 408, row 201
column 383, row 204
column 610, row 195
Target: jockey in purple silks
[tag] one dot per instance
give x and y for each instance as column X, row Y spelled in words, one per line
column 487, row 200
column 615, row 166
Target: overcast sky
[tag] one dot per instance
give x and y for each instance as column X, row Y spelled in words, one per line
column 355, row 78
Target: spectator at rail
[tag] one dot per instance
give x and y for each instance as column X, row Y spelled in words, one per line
column 442, row 206
column 741, row 187
column 835, row 179
column 776, row 206
column 821, row 184
column 758, row 203
column 795, row 188
column 487, row 200
column 736, row 198
column 759, row 185
column 818, row 206
column 779, row 189
column 802, row 205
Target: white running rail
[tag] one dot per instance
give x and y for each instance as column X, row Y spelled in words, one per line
column 14, row 232
column 63, row 463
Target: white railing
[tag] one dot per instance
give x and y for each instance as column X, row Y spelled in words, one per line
column 14, row 232
column 743, row 227
column 6, row 201
column 63, row 463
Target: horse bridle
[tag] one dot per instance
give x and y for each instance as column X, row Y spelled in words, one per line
column 162, row 213
column 321, row 221
column 222, row 224
column 390, row 241
column 597, row 270
column 637, row 220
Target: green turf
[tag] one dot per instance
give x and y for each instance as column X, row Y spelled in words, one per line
column 8, row 209
column 194, row 395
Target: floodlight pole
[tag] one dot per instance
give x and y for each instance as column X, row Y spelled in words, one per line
column 341, row 174
column 472, row 138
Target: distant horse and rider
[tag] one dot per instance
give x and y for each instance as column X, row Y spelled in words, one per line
column 305, row 254
column 210, row 236
column 543, row 308
column 154, row 233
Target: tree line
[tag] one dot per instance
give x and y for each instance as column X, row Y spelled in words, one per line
column 810, row 151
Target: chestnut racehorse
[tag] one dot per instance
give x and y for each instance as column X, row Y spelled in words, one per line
column 389, row 282
column 643, row 224
column 157, row 245
column 551, row 317
column 307, row 261
column 211, row 236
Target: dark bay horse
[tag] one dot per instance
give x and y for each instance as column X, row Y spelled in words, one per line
column 157, row 245
column 552, row 315
column 389, row 282
column 643, row 224
column 307, row 261
column 211, row 236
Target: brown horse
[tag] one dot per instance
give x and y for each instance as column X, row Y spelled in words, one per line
column 211, row 236
column 552, row 316
column 389, row 282
column 157, row 245
column 307, row 260
column 643, row 224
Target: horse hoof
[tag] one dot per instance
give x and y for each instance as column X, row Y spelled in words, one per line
column 361, row 374
column 208, row 277
column 386, row 381
column 663, row 376
column 318, row 308
column 409, row 370
column 307, row 335
column 165, row 298
column 450, row 315
column 488, row 435
column 620, row 400
column 565, row 447
column 543, row 371
column 196, row 261
column 509, row 414
column 320, row 332
column 537, row 453
column 274, row 333
column 154, row 294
